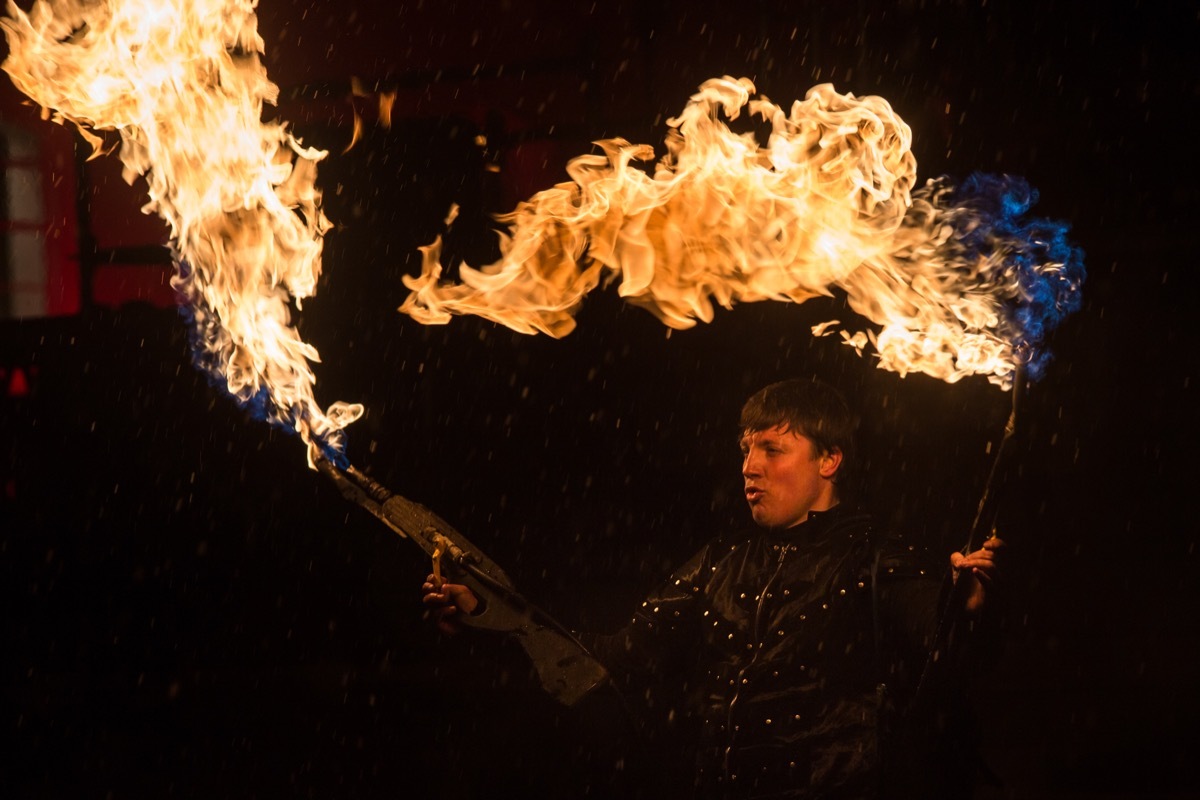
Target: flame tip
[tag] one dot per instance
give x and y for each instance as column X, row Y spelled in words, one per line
column 183, row 86
column 827, row 202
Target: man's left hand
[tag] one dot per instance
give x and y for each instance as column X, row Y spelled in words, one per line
column 979, row 569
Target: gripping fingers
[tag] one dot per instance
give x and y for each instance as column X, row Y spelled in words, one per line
column 433, row 594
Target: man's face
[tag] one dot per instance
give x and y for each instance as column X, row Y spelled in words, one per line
column 786, row 476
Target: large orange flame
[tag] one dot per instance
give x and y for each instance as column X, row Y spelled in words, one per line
column 828, row 202
column 181, row 82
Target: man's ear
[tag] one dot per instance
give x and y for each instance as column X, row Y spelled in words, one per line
column 830, row 462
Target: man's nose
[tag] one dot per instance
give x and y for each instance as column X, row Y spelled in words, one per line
column 750, row 466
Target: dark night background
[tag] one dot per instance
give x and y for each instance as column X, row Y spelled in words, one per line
column 189, row 611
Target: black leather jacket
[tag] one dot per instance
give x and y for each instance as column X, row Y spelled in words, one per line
column 787, row 647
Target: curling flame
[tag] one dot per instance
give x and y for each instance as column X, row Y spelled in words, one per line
column 828, row 203
column 181, row 82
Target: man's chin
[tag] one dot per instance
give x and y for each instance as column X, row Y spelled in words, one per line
column 762, row 518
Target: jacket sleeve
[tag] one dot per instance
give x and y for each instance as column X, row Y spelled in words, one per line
column 910, row 592
column 662, row 637
column 923, row 625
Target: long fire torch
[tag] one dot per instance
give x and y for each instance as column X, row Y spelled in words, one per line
column 988, row 509
column 983, row 527
column 564, row 667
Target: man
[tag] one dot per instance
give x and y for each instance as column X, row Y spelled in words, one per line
column 802, row 649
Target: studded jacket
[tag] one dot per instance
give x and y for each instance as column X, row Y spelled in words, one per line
column 786, row 646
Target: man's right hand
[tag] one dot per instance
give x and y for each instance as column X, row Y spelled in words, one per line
column 445, row 601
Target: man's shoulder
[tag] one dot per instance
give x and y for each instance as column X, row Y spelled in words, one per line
column 895, row 555
column 718, row 552
column 887, row 551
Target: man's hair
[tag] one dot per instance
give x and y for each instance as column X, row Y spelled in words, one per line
column 808, row 407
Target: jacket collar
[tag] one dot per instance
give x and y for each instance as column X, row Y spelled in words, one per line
column 823, row 525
